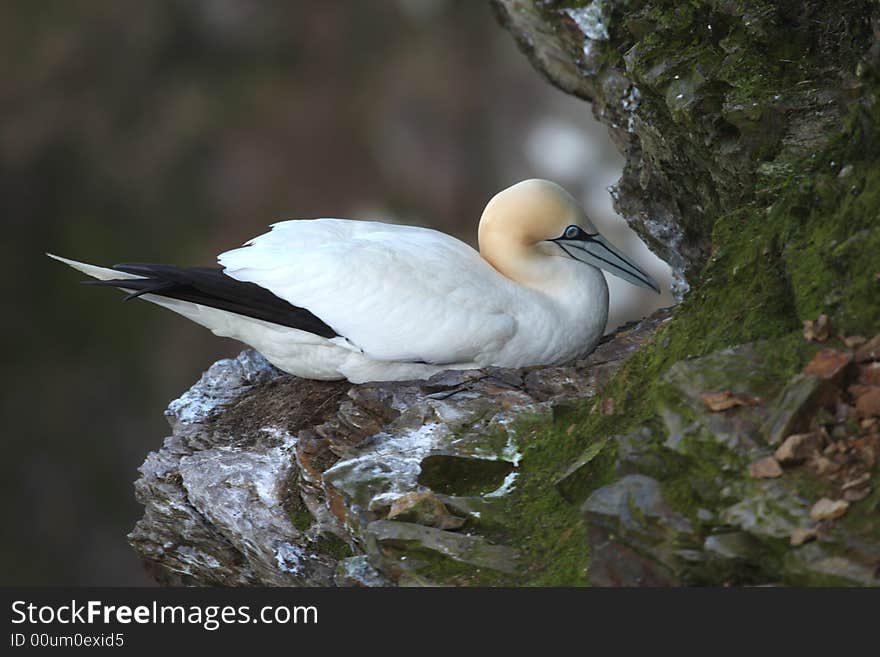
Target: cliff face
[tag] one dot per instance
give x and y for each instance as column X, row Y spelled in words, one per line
column 735, row 442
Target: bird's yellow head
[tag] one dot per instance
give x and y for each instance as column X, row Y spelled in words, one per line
column 533, row 220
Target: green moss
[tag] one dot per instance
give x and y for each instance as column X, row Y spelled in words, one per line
column 333, row 545
column 790, row 240
column 796, row 573
column 865, row 521
column 808, row 485
column 454, row 475
column 434, row 568
column 301, row 518
column 762, row 565
column 296, row 509
column 772, row 270
column 548, row 532
column 831, row 256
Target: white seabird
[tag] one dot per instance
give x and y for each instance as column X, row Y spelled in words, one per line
column 368, row 301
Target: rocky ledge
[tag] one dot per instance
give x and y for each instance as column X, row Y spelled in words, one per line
column 483, row 477
column 268, row 479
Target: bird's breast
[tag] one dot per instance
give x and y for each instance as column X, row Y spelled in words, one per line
column 561, row 321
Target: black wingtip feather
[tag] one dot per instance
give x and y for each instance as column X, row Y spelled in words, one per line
column 209, row 286
column 158, row 288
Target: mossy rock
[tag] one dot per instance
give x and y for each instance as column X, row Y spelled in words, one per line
column 753, row 167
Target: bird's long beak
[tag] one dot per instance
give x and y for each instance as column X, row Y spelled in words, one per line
column 594, row 249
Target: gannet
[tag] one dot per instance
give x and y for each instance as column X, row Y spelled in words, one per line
column 368, row 301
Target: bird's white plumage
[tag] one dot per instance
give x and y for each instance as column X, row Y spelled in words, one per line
column 396, row 293
column 407, row 302
column 411, row 301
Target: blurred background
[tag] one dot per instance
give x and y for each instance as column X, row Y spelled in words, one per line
column 171, row 130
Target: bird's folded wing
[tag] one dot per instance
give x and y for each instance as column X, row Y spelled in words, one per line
column 395, row 292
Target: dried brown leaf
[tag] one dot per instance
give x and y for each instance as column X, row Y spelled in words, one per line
column 857, row 390
column 823, row 465
column 798, row 447
column 856, row 494
column 818, row 329
column 869, row 351
column 801, row 535
column 828, row 509
column 828, row 363
column 853, row 341
column 868, row 402
column 721, row 401
column 608, row 406
column 858, row 481
column 766, row 468
column 869, row 374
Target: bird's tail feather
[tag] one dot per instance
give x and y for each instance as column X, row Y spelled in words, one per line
column 216, row 321
column 189, row 291
column 101, row 273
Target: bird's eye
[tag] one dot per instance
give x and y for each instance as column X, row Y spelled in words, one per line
column 572, row 231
